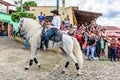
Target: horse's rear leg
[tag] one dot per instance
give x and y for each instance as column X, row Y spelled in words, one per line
column 67, row 63
column 36, row 61
column 76, row 63
column 66, row 66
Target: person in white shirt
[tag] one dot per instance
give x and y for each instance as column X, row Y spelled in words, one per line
column 65, row 31
column 55, row 26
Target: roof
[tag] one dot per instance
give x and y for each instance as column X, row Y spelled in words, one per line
column 6, row 3
column 86, row 16
column 111, row 28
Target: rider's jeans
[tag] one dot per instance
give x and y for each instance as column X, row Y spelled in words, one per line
column 49, row 33
column 26, row 43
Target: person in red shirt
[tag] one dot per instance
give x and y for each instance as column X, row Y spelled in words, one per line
column 113, row 49
column 79, row 37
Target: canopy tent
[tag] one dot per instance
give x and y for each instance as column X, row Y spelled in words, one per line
column 6, row 18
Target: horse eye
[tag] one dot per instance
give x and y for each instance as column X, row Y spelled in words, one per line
column 20, row 25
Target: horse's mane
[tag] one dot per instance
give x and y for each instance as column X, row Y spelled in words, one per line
column 31, row 26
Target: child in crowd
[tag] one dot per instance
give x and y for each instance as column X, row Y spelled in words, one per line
column 102, row 47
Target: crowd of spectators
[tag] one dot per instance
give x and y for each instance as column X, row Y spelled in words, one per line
column 93, row 40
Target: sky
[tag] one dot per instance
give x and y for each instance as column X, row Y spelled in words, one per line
column 109, row 8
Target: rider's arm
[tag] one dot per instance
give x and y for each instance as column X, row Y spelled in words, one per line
column 48, row 23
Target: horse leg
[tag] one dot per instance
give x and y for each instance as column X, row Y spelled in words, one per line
column 76, row 63
column 66, row 66
column 67, row 63
column 36, row 61
column 33, row 54
column 30, row 64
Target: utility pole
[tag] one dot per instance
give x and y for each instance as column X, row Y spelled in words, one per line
column 58, row 5
column 21, row 4
column 63, row 5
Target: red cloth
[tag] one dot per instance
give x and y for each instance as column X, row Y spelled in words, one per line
column 118, row 50
column 79, row 38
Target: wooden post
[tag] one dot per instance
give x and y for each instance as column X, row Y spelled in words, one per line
column 21, row 1
column 7, row 10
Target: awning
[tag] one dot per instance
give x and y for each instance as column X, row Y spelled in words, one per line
column 6, row 3
column 85, row 16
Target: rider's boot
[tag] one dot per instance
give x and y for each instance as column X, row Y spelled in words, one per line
column 46, row 44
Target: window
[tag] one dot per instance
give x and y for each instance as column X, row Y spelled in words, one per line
column 33, row 9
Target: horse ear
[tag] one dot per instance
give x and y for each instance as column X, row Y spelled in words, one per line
column 20, row 17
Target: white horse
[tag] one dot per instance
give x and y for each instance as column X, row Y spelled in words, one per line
column 69, row 45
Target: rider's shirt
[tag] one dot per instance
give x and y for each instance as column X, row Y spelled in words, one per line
column 56, row 22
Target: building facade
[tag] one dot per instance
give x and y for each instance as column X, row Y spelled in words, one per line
column 46, row 10
column 75, row 15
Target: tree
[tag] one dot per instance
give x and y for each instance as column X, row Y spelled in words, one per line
column 26, row 5
column 16, row 16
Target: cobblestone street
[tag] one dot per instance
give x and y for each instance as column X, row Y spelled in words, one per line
column 13, row 59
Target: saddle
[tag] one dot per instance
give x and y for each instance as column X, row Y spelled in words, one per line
column 57, row 37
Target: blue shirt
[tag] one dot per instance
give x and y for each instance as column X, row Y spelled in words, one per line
column 41, row 18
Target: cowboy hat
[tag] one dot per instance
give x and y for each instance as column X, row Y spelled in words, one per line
column 55, row 12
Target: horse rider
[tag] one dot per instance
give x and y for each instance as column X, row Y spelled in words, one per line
column 55, row 26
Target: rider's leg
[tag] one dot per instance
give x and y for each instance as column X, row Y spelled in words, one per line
column 48, row 34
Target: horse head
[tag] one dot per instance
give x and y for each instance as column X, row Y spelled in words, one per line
column 21, row 28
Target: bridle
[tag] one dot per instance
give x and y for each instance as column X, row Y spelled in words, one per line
column 21, row 30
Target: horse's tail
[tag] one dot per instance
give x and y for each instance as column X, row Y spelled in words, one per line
column 77, row 52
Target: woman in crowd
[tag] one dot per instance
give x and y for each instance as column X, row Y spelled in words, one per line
column 62, row 25
column 79, row 37
column 91, row 47
column 118, row 49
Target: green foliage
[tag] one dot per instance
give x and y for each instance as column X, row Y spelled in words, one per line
column 26, row 5
column 16, row 16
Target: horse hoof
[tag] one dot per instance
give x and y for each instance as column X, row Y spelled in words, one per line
column 63, row 72
column 26, row 68
column 78, row 74
column 39, row 66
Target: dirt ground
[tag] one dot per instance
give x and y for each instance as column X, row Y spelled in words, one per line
column 13, row 59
